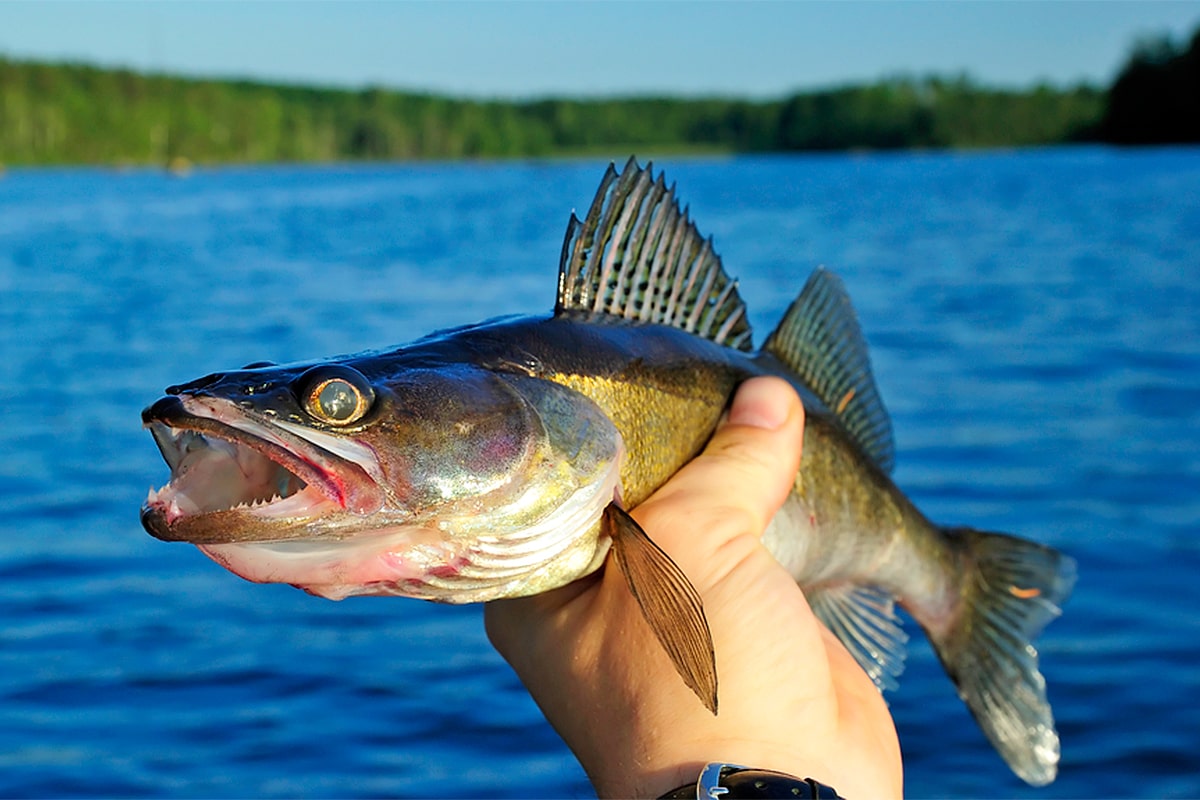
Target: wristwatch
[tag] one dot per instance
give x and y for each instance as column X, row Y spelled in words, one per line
column 719, row 781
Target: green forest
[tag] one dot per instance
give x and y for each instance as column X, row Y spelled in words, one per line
column 80, row 114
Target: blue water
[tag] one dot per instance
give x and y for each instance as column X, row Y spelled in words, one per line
column 1035, row 325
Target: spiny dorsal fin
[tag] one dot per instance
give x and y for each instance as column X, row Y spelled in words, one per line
column 820, row 339
column 636, row 256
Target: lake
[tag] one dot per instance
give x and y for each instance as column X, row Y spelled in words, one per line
column 1034, row 318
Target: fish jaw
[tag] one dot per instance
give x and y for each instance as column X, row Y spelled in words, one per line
column 525, row 551
column 236, row 477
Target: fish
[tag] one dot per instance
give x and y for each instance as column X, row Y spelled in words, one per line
column 500, row 459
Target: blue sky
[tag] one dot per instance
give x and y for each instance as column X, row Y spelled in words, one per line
column 528, row 49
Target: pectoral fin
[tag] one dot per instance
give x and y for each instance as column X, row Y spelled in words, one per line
column 668, row 601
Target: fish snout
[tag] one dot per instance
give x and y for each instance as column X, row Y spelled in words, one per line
column 165, row 409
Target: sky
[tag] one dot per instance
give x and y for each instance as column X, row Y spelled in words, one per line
column 533, row 49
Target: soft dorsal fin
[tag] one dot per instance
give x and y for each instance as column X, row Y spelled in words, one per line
column 636, row 256
column 820, row 339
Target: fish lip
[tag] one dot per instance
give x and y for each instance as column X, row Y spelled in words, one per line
column 211, row 527
column 346, row 485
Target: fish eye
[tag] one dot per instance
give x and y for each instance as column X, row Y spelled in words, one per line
column 335, row 395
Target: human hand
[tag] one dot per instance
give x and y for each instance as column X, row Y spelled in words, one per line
column 791, row 697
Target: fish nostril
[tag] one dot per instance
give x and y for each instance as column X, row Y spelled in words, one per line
column 196, row 385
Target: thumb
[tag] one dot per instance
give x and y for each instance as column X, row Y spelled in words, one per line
column 735, row 486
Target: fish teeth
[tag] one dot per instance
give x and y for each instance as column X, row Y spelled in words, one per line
column 157, row 495
column 254, row 502
column 259, row 502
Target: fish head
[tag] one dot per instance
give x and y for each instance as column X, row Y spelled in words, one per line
column 447, row 481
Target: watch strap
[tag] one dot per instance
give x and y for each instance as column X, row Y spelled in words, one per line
column 718, row 781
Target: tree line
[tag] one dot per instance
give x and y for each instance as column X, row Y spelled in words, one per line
column 1156, row 98
column 75, row 113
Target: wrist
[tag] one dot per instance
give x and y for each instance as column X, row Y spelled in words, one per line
column 645, row 781
column 660, row 769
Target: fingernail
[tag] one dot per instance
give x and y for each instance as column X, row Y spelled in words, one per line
column 761, row 404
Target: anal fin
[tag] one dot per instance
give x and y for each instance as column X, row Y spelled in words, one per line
column 669, row 603
column 864, row 619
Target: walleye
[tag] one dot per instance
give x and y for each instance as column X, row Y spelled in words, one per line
column 497, row 460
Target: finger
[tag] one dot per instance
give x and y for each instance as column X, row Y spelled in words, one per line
column 735, row 486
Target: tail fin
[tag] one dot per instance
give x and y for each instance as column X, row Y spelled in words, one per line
column 1012, row 589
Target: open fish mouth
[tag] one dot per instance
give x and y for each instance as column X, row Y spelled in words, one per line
column 236, row 478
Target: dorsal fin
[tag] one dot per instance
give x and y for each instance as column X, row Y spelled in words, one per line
column 636, row 256
column 820, row 339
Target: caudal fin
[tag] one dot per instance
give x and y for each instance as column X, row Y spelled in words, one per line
column 1012, row 588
